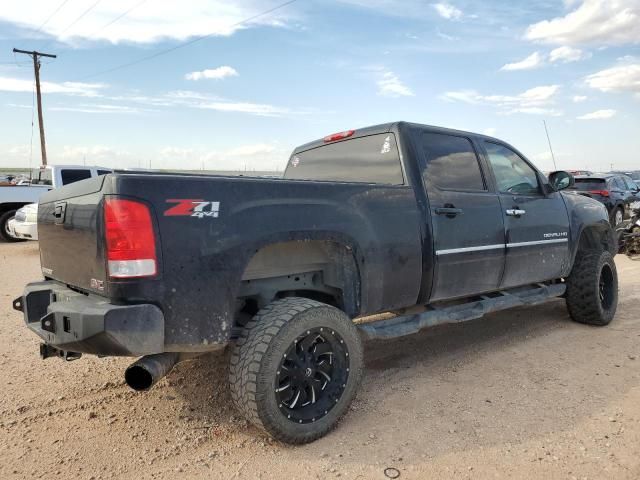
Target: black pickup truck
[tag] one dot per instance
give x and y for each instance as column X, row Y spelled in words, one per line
column 372, row 233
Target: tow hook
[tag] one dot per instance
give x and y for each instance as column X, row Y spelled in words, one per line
column 47, row 351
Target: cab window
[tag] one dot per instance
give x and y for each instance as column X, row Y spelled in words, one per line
column 71, row 176
column 513, row 175
column 452, row 163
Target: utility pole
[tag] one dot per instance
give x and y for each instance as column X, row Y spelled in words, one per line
column 550, row 149
column 36, row 69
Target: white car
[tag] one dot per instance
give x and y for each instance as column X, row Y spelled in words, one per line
column 24, row 226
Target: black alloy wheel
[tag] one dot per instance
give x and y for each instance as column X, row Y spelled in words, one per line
column 312, row 375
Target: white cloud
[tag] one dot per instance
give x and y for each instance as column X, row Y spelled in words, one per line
column 623, row 78
column 99, row 108
column 598, row 115
column 491, row 131
column 262, row 110
column 579, row 98
column 448, row 11
column 567, row 54
column 8, row 84
column 602, row 22
column 534, row 60
column 391, row 86
column 151, row 22
column 125, row 103
column 216, row 73
column 537, row 100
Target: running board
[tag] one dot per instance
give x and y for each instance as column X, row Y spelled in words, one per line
column 476, row 308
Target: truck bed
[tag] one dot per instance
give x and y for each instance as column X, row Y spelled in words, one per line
column 203, row 255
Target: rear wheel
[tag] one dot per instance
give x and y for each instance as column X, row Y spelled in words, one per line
column 5, row 233
column 295, row 369
column 592, row 288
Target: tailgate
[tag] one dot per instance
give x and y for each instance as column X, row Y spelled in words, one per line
column 69, row 226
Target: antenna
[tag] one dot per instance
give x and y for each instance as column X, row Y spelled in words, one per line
column 553, row 157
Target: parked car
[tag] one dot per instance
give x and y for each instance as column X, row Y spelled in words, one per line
column 24, row 225
column 435, row 225
column 619, row 193
column 43, row 179
column 634, row 174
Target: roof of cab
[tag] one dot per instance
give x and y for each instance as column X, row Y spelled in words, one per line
column 387, row 127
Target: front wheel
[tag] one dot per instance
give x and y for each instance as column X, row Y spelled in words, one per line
column 592, row 288
column 5, row 232
column 295, row 369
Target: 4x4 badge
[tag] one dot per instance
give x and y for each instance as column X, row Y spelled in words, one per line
column 192, row 207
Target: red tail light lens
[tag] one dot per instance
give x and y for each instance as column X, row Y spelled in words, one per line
column 338, row 136
column 131, row 244
column 604, row 193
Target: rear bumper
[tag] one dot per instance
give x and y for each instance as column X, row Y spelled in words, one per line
column 23, row 230
column 71, row 321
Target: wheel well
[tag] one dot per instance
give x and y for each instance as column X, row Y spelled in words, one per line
column 325, row 271
column 5, row 207
column 595, row 238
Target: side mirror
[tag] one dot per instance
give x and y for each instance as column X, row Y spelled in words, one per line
column 560, row 180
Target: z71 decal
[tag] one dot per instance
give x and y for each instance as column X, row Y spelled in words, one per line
column 192, row 207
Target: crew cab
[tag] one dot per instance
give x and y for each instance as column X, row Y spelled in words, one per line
column 43, row 179
column 372, row 233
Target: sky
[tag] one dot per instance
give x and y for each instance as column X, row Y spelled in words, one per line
column 213, row 84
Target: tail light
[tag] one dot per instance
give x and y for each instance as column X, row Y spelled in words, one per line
column 334, row 137
column 604, row 193
column 131, row 244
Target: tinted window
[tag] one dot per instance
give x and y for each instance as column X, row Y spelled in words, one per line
column 512, row 173
column 629, row 184
column 372, row 159
column 590, row 184
column 451, row 162
column 103, row 172
column 70, row 176
column 618, row 184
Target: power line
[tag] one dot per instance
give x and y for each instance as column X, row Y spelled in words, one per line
column 62, row 4
column 119, row 17
column 82, row 15
column 186, row 44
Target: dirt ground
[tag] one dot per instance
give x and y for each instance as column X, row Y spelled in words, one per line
column 520, row 394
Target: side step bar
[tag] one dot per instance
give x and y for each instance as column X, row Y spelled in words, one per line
column 461, row 312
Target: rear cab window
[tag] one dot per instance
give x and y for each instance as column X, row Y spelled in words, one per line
column 370, row 159
column 72, row 175
column 586, row 184
column 41, row 176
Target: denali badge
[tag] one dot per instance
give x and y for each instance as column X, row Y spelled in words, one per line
column 192, row 207
column 97, row 284
column 47, row 271
column 556, row 235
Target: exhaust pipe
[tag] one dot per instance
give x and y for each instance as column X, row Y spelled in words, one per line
column 145, row 373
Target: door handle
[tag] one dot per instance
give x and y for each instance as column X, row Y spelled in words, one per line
column 448, row 210
column 515, row 212
column 59, row 212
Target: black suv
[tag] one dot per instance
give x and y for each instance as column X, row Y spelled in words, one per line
column 617, row 192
